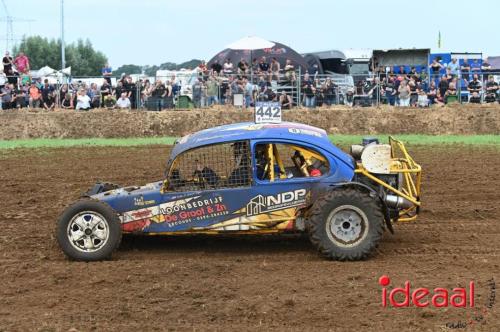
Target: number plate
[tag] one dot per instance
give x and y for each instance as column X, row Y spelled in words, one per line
column 267, row 112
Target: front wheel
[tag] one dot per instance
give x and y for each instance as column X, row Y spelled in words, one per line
column 346, row 224
column 89, row 230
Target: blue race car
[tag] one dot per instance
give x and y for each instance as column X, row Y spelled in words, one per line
column 252, row 178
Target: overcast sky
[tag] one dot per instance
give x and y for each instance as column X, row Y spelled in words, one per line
column 156, row 31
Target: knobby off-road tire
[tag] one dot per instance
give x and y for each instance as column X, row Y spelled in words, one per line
column 346, row 224
column 89, row 230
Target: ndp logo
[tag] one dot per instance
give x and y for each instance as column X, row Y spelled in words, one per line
column 398, row 297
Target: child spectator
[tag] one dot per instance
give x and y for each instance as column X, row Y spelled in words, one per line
column 35, row 96
column 67, row 101
column 82, row 100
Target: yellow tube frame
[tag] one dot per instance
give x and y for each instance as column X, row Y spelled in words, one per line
column 411, row 174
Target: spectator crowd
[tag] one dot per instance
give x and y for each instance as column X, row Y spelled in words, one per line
column 246, row 83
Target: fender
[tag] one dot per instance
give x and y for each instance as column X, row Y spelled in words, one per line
column 370, row 190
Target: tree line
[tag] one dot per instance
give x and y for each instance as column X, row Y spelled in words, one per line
column 83, row 58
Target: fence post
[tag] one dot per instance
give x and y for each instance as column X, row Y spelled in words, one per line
column 299, row 84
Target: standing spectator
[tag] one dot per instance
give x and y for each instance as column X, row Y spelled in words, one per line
column 123, row 102
column 286, row 101
column 212, row 91
column 3, row 81
column 107, row 72
column 491, row 90
column 390, row 91
column 158, row 94
column 105, row 90
column 202, row 68
column 6, row 94
column 169, row 96
column 248, row 89
column 474, row 88
column 374, row 91
column 7, row 62
column 454, row 67
column 22, row 63
column 435, row 67
column 216, row 67
column 309, row 91
column 443, row 85
column 131, row 90
column 82, row 100
column 275, row 69
column 413, row 92
column 197, row 92
column 465, row 69
column 228, row 67
column 330, row 92
column 49, row 102
column 404, row 94
column 35, row 96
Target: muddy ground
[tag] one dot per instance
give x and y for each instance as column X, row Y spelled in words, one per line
column 244, row 283
column 458, row 119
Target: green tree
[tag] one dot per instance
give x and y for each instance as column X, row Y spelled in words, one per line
column 81, row 56
column 128, row 69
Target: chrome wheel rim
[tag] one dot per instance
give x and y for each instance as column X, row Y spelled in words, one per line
column 347, row 225
column 88, row 231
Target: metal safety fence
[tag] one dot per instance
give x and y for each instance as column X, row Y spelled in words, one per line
column 291, row 88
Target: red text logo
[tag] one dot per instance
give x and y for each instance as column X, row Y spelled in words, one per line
column 398, row 297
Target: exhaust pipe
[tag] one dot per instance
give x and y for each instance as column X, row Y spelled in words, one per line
column 397, row 202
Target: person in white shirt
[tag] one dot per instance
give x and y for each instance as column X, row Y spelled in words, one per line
column 123, row 102
column 82, row 101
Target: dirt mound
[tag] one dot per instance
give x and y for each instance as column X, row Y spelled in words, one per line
column 461, row 119
column 249, row 283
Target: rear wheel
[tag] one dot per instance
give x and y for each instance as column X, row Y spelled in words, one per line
column 346, row 224
column 89, row 230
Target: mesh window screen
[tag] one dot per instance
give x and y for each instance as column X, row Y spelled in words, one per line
column 210, row 167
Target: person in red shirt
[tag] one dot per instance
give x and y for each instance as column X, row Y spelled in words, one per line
column 22, row 63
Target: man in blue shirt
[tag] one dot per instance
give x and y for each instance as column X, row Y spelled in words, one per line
column 107, row 71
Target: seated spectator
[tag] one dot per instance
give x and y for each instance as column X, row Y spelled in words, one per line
column 46, row 89
column 475, row 98
column 109, row 101
column 423, row 100
column 491, row 90
column 49, row 102
column 243, row 66
column 123, row 102
column 432, row 94
column 475, row 66
column 286, row 101
column 35, row 96
column 465, row 69
column 82, row 100
column 216, row 67
column 275, row 69
column 263, row 66
column 451, row 94
column 475, row 86
column 289, row 71
column 67, row 101
column 228, row 67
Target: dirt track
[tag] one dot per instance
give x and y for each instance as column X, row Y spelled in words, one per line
column 246, row 283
